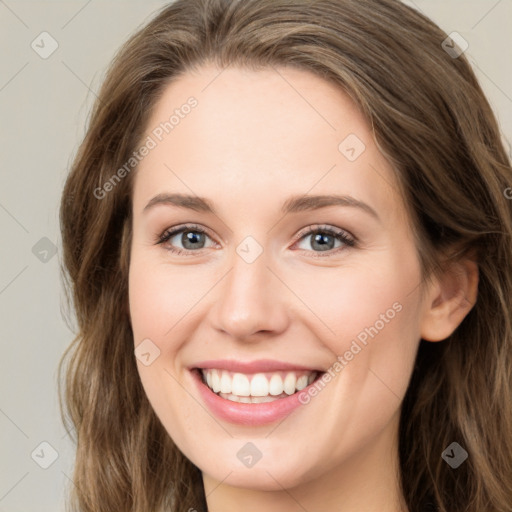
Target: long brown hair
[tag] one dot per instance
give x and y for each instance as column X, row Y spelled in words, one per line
column 430, row 118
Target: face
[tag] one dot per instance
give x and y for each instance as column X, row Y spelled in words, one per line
column 311, row 306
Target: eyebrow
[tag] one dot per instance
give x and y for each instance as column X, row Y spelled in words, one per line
column 292, row 205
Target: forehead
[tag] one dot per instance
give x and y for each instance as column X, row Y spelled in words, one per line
column 248, row 138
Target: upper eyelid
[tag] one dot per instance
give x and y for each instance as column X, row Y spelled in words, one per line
column 322, row 227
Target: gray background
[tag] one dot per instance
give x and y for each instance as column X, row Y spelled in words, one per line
column 44, row 105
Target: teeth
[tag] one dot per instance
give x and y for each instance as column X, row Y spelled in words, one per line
column 302, row 382
column 256, row 388
column 240, row 385
column 276, row 385
column 225, row 383
column 259, row 385
column 215, row 381
column 248, row 399
column 289, row 383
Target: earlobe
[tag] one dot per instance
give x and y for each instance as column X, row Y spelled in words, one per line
column 450, row 299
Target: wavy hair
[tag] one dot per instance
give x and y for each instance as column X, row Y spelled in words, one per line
column 429, row 117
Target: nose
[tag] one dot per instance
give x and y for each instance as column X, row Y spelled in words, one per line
column 251, row 301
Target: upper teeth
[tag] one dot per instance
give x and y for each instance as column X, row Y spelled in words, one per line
column 258, row 384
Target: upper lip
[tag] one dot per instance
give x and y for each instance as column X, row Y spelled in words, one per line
column 257, row 366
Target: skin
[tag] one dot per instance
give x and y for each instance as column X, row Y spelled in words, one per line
column 255, row 139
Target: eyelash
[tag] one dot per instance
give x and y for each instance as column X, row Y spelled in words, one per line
column 338, row 234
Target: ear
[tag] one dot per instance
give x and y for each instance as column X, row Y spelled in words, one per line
column 449, row 300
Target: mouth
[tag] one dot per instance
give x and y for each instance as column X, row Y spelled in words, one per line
column 256, row 388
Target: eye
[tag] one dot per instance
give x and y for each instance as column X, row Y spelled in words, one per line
column 324, row 239
column 192, row 237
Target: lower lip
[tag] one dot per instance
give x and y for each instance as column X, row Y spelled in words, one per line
column 247, row 414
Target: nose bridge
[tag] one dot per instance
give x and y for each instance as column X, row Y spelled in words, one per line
column 251, row 298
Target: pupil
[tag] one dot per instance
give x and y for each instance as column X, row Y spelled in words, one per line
column 191, row 237
column 320, row 238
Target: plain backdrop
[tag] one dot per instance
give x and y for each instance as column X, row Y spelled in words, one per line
column 44, row 105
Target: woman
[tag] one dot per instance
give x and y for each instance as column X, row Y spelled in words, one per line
column 252, row 371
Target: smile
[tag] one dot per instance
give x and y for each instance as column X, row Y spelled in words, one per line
column 257, row 387
column 252, row 393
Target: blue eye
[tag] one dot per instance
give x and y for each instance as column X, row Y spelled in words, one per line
column 325, row 238
column 193, row 238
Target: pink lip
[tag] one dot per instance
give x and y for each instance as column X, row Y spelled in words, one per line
column 261, row 365
column 246, row 414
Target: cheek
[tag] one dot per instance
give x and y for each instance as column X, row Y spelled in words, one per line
column 369, row 314
column 353, row 298
column 160, row 298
